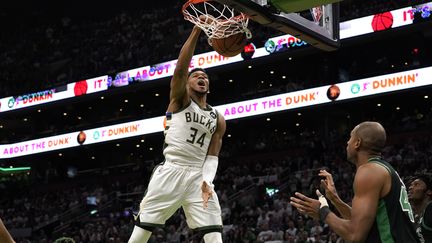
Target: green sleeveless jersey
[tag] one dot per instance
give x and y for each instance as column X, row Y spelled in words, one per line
column 394, row 221
column 424, row 227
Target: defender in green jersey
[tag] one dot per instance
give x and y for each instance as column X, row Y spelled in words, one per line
column 380, row 209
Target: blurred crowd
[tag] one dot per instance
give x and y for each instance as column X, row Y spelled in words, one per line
column 41, row 52
column 345, row 65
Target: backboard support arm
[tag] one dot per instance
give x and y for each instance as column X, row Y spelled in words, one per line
column 325, row 38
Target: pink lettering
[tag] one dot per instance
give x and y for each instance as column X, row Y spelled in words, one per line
column 272, row 103
column 16, row 149
column 240, row 109
column 40, row 145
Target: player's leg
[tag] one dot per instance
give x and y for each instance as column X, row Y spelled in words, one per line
column 214, row 237
column 139, row 235
column 207, row 221
column 160, row 202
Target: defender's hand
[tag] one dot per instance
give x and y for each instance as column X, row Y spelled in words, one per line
column 207, row 191
column 306, row 205
column 328, row 185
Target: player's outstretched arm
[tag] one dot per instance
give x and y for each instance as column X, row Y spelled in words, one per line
column 330, row 192
column 178, row 93
column 5, row 237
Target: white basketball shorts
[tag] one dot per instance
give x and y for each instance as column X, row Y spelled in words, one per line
column 173, row 186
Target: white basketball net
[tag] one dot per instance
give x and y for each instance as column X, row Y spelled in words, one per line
column 220, row 20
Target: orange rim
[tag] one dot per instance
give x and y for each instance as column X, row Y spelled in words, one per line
column 188, row 3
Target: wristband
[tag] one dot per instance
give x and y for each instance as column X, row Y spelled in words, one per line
column 209, row 169
column 321, row 199
column 323, row 212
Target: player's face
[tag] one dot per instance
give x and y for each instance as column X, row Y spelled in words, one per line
column 199, row 82
column 351, row 148
column 417, row 190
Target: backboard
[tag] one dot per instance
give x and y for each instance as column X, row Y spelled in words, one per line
column 308, row 20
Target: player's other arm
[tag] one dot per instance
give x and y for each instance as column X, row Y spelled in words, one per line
column 178, row 93
column 368, row 183
column 211, row 162
column 216, row 141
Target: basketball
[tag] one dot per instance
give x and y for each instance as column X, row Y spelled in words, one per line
column 382, row 21
column 229, row 46
column 333, row 92
column 81, row 137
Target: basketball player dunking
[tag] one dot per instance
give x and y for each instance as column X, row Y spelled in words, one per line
column 193, row 139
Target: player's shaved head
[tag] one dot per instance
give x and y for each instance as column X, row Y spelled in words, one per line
column 373, row 136
column 196, row 70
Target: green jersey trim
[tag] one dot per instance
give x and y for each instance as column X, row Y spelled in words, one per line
column 383, row 223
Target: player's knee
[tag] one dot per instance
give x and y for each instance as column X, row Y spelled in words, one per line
column 213, row 237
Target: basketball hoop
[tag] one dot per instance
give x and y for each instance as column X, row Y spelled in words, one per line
column 220, row 22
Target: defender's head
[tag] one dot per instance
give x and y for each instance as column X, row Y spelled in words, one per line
column 369, row 137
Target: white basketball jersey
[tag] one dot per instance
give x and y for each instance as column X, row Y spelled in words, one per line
column 188, row 134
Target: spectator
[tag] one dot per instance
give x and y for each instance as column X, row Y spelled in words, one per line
column 420, row 197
